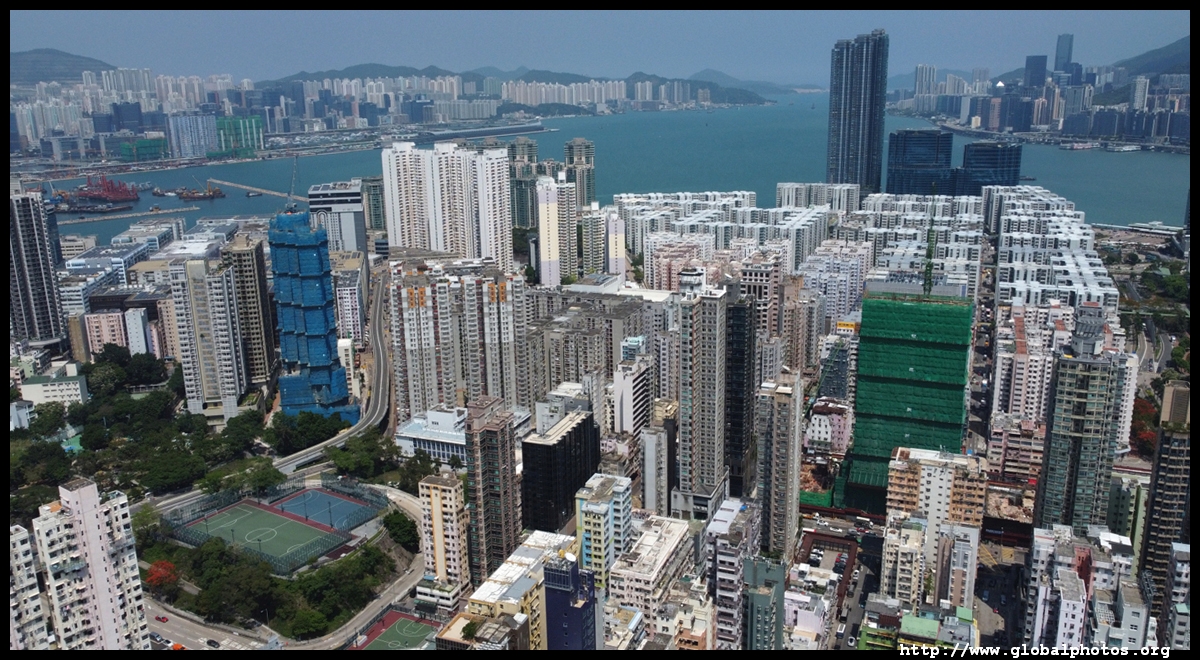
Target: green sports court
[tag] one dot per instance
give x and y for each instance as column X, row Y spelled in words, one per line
column 396, row 631
column 249, row 525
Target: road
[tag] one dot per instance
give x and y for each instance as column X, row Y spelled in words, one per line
column 377, row 409
column 187, row 629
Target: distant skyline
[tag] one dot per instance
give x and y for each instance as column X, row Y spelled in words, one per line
column 781, row 47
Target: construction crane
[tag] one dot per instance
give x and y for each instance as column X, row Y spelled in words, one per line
column 291, row 204
column 930, row 246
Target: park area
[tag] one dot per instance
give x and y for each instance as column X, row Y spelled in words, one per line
column 287, row 527
column 251, row 525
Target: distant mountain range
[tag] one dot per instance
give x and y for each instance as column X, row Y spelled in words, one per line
column 1175, row 57
column 756, row 86
column 30, row 67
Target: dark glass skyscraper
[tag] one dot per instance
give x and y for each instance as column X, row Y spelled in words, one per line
column 857, row 92
column 741, row 454
column 1035, row 71
column 988, row 164
column 919, row 162
column 1062, row 52
column 570, row 606
column 313, row 379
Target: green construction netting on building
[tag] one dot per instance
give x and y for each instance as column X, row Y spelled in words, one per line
column 926, row 319
column 877, row 436
column 913, row 361
column 912, row 370
column 816, row 499
column 902, row 400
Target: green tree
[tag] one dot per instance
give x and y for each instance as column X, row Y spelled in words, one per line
column 145, row 369
column 113, row 354
column 469, row 630
column 147, row 525
column 105, row 379
column 165, row 471
column 403, row 531
column 1133, row 258
column 175, row 382
column 261, row 475
column 455, row 463
column 45, row 463
column 50, row 418
column 308, row 623
column 94, row 437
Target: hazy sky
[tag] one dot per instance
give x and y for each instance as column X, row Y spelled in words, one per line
column 786, row 47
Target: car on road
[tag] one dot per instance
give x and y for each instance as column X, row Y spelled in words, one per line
column 212, row 643
column 161, row 619
column 851, row 642
column 155, row 637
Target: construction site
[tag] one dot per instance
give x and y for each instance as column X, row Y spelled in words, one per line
column 913, row 376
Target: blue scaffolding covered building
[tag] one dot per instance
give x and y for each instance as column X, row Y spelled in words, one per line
column 313, row 379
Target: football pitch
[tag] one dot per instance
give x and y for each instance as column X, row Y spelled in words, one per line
column 248, row 526
column 403, row 633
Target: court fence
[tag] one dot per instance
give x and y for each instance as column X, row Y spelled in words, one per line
column 351, row 488
column 280, row 491
column 177, row 522
column 437, row 621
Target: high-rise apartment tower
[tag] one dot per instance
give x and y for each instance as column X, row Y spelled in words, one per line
column 857, row 94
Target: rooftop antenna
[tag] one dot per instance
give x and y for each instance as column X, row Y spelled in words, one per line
column 290, row 207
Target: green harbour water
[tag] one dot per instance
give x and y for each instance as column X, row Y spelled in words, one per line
column 743, row 148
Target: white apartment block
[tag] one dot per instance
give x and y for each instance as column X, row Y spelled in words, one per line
column 938, row 486
column 443, row 540
column 641, row 578
column 841, row 197
column 518, row 586
column 778, row 429
column 351, row 308
column 449, row 199
column 212, row 355
column 458, row 333
column 903, row 575
column 703, row 475
column 557, row 219
column 1026, row 341
column 726, row 217
column 28, row 627
column 64, row 384
column 1056, row 596
column 632, row 394
column 956, row 564
column 731, row 537
column 838, row 269
column 86, row 547
column 338, row 207
column 1179, row 571
column 345, row 350
column 603, row 523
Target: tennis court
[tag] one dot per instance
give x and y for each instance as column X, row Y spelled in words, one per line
column 322, row 507
column 245, row 524
column 399, row 631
